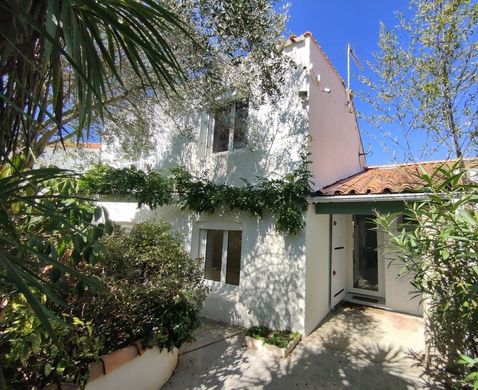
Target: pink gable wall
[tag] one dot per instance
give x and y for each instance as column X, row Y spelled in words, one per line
column 335, row 140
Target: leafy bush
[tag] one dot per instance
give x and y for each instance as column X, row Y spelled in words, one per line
column 153, row 291
column 147, row 187
column 440, row 251
column 279, row 338
column 33, row 359
column 44, row 226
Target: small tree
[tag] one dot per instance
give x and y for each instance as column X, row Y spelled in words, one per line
column 440, row 251
column 427, row 74
column 133, row 54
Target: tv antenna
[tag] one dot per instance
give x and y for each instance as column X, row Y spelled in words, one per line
column 351, row 54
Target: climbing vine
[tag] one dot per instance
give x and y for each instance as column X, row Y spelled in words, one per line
column 285, row 198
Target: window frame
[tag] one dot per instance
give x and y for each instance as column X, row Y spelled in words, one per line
column 202, row 245
column 232, row 110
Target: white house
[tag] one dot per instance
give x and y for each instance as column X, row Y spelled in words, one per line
column 255, row 274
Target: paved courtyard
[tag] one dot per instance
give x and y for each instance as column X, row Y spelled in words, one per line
column 354, row 348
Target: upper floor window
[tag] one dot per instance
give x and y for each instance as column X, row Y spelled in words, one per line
column 230, row 127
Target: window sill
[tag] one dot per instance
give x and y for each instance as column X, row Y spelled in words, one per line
column 215, row 286
column 229, row 152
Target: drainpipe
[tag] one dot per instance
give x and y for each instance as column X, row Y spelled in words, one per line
column 330, row 259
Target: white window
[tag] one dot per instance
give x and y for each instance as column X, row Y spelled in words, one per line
column 221, row 250
column 230, row 127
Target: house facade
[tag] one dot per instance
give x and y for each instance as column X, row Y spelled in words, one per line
column 255, row 274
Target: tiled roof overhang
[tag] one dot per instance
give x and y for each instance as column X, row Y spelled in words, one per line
column 396, row 179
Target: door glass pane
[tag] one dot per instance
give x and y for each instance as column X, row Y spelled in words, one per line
column 212, row 268
column 222, row 123
column 365, row 271
column 240, row 125
column 233, row 267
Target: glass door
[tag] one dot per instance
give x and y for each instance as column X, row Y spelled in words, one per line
column 367, row 269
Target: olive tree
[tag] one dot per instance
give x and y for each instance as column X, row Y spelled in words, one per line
column 424, row 87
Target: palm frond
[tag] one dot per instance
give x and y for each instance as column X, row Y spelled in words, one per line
column 90, row 38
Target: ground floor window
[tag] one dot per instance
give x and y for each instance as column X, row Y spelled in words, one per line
column 221, row 250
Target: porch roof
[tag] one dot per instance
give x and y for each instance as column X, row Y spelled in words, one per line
column 387, row 179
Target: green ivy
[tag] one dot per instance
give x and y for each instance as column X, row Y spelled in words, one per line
column 285, row 198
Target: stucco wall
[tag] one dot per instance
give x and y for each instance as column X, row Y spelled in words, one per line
column 277, row 134
column 271, row 290
column 400, row 294
column 335, row 140
column 317, row 269
column 75, row 158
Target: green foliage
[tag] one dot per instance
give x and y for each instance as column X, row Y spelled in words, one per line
column 152, row 291
column 148, row 188
column 33, row 359
column 425, row 79
column 89, row 41
column 440, row 252
column 471, row 364
column 121, row 58
column 44, row 227
column 279, row 338
column 285, row 199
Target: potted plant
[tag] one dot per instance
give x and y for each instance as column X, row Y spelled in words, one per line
column 278, row 343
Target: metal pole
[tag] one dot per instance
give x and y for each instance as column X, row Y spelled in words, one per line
column 348, row 68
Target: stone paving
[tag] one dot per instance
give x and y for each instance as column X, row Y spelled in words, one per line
column 354, row 348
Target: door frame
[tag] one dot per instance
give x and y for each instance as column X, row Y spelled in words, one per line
column 380, row 266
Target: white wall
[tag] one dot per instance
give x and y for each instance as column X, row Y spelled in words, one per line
column 317, row 269
column 335, row 140
column 271, row 291
column 149, row 371
column 277, row 133
column 399, row 293
column 76, row 158
column 127, row 213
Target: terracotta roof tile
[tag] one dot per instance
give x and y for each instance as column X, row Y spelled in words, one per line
column 74, row 145
column 386, row 179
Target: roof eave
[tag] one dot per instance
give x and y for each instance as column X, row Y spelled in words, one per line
column 370, row 198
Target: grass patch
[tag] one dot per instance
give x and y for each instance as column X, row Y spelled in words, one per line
column 279, row 338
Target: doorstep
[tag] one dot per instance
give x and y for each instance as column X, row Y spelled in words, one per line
column 366, row 300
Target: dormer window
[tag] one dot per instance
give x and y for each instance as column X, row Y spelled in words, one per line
column 230, row 127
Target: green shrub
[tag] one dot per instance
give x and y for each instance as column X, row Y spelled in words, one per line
column 440, row 253
column 285, row 198
column 153, row 291
column 31, row 359
column 279, row 338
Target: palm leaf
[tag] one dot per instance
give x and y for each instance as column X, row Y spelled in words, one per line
column 92, row 38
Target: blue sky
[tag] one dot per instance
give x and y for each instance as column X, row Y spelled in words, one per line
column 334, row 23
